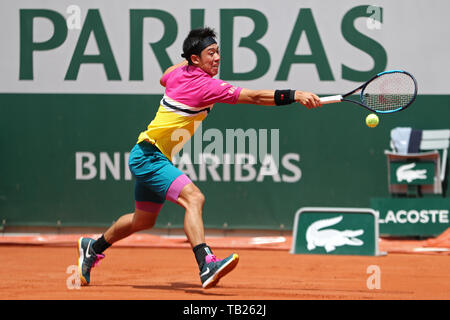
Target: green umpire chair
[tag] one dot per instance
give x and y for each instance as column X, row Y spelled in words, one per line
column 417, row 162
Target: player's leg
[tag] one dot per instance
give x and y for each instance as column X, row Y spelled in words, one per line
column 148, row 203
column 211, row 269
column 147, row 207
column 192, row 200
column 186, row 194
column 145, row 167
column 91, row 251
column 128, row 224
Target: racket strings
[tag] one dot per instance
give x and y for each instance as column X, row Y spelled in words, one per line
column 389, row 92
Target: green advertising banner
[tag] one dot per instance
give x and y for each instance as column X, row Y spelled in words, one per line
column 80, row 81
column 412, row 172
column 422, row 217
column 340, row 231
column 64, row 160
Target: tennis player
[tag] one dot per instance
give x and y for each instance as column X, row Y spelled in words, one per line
column 191, row 91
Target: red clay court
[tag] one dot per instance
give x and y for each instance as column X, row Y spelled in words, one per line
column 154, row 267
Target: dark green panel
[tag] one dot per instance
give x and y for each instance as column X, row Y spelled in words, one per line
column 426, row 172
column 341, row 233
column 39, row 137
column 341, row 160
column 421, row 217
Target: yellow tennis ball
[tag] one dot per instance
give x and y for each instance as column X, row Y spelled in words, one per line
column 372, row 120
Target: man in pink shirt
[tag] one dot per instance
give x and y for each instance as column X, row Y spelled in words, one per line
column 190, row 94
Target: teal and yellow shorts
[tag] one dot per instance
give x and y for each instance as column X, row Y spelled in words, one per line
column 157, row 179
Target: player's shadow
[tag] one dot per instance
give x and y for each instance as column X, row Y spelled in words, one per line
column 181, row 286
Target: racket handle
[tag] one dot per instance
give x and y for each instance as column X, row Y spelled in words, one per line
column 331, row 99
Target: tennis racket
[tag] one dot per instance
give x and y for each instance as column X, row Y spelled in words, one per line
column 387, row 92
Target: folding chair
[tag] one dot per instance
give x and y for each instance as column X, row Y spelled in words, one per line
column 423, row 148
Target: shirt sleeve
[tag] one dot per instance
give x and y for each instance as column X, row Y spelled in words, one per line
column 219, row 91
column 166, row 77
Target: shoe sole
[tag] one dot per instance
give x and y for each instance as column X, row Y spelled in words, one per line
column 83, row 280
column 223, row 271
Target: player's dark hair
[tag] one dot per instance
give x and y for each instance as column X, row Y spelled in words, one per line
column 196, row 41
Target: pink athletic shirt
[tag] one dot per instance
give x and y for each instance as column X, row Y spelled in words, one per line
column 189, row 97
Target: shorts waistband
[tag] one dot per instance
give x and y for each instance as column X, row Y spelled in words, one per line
column 148, row 146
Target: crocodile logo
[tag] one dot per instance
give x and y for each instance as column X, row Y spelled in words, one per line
column 405, row 172
column 316, row 236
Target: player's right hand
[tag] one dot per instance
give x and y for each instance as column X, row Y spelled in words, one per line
column 308, row 99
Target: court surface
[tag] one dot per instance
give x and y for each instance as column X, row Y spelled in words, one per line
column 39, row 272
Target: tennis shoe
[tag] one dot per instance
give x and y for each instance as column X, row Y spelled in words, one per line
column 214, row 269
column 87, row 259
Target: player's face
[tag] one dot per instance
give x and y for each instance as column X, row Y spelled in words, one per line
column 210, row 59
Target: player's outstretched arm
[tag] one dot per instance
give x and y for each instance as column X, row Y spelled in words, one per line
column 278, row 97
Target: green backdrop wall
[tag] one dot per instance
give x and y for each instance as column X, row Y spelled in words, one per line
column 78, row 82
column 340, row 160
